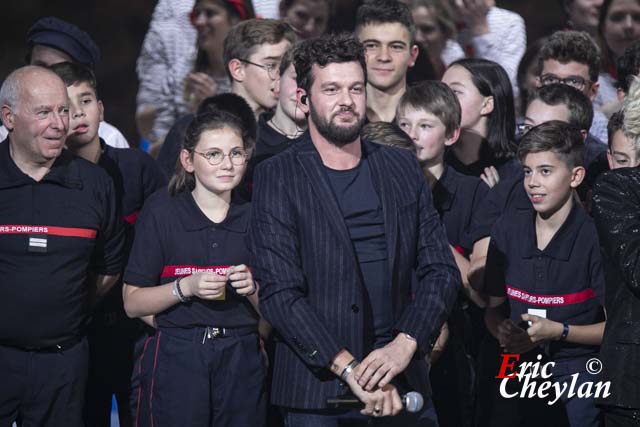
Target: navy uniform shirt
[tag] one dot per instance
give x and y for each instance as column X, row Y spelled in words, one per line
column 175, row 239
column 136, row 176
column 565, row 278
column 508, row 194
column 456, row 197
column 54, row 235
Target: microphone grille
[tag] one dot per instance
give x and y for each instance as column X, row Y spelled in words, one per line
column 413, row 401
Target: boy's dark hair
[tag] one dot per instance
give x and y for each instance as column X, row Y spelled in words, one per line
column 324, row 50
column 577, row 46
column 244, row 38
column 389, row 134
column 579, row 106
column 73, row 73
column 436, row 98
column 234, row 104
column 556, row 136
column 616, row 123
column 628, row 66
column 385, row 12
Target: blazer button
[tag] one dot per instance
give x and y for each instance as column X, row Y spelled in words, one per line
column 355, row 308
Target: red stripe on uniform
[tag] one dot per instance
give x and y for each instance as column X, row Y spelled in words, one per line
column 144, row 349
column 550, row 300
column 153, row 378
column 131, row 219
column 460, row 250
column 86, row 233
column 187, row 270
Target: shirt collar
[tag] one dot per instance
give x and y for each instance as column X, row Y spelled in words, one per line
column 63, row 171
column 237, row 219
column 444, row 190
column 563, row 242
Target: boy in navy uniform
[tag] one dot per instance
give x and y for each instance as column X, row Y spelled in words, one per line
column 430, row 114
column 61, row 242
column 551, row 277
column 136, row 176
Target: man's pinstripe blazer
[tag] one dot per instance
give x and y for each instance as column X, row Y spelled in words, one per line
column 310, row 286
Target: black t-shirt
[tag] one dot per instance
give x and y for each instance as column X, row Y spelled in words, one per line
column 136, row 176
column 269, row 142
column 175, row 239
column 507, row 168
column 362, row 212
column 170, row 150
column 456, row 197
column 54, row 234
column 565, row 278
column 507, row 194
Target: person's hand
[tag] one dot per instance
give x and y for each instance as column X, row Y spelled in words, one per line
column 541, row 329
column 490, row 176
column 381, row 402
column 241, row 280
column 513, row 338
column 206, row 286
column 474, row 14
column 383, row 364
column 199, row 86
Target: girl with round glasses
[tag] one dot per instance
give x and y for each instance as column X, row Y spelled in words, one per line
column 188, row 268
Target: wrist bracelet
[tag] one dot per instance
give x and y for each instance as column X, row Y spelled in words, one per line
column 255, row 289
column 347, row 370
column 565, row 331
column 178, row 291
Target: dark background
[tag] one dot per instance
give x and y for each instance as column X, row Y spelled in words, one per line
column 119, row 26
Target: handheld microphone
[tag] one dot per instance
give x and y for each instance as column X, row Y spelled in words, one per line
column 411, row 402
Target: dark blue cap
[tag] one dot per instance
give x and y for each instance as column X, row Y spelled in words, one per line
column 64, row 36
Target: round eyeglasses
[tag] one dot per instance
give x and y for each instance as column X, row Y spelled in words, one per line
column 215, row 157
column 273, row 69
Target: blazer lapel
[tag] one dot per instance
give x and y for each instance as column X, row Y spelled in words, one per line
column 313, row 168
column 382, row 181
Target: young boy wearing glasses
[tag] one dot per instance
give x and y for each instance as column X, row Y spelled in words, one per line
column 252, row 53
column 573, row 58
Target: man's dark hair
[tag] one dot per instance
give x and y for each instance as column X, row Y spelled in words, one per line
column 616, row 123
column 576, row 46
column 578, row 104
column 389, row 134
column 628, row 66
column 324, row 50
column 436, row 98
column 385, row 12
column 73, row 73
column 245, row 38
column 556, row 136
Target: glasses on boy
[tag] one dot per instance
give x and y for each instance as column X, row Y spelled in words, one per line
column 273, row 70
column 573, row 81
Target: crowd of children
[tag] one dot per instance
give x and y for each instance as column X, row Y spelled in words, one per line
column 179, row 339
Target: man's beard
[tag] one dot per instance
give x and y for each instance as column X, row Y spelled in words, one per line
column 337, row 135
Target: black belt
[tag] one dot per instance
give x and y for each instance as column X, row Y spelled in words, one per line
column 205, row 333
column 56, row 348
